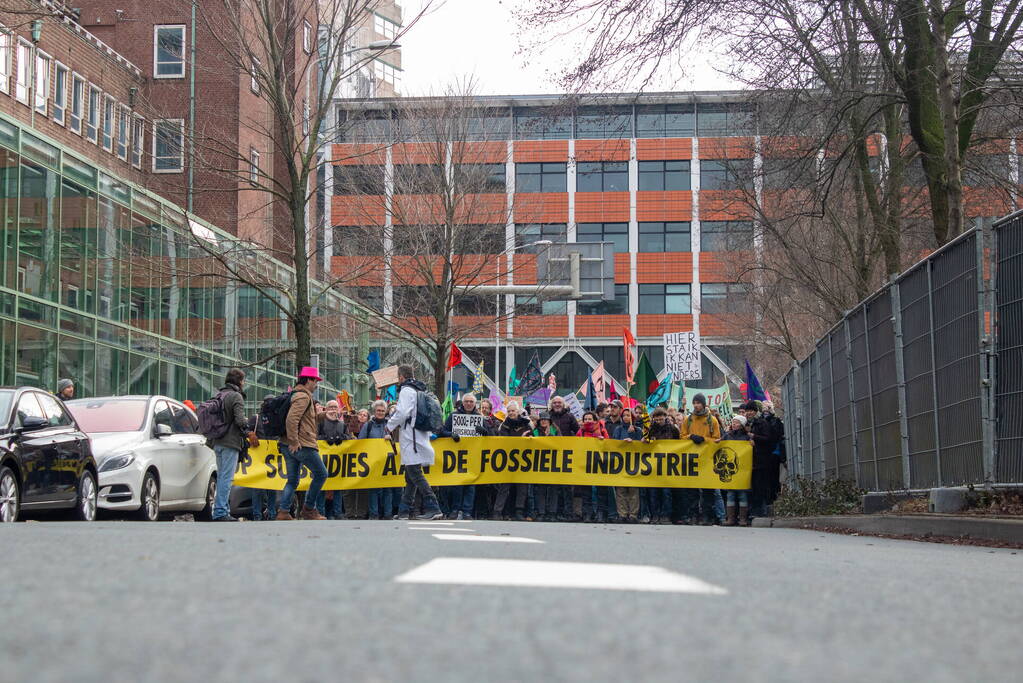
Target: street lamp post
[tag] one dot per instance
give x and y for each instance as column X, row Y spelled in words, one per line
column 497, row 305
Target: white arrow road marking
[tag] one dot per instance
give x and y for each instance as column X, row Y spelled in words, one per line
column 535, row 573
column 435, row 528
column 490, row 539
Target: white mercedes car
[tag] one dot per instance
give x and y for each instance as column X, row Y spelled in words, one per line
column 150, row 456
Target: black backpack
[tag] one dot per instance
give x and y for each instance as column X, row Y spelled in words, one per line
column 429, row 416
column 212, row 423
column 273, row 415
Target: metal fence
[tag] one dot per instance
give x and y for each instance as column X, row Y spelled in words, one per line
column 902, row 393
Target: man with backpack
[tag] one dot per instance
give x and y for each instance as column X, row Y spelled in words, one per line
column 299, row 446
column 418, row 415
column 227, row 420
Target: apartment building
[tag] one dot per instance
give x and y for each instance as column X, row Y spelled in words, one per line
column 653, row 174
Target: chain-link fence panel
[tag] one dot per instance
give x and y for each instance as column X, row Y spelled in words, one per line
column 918, row 347
column 1009, row 387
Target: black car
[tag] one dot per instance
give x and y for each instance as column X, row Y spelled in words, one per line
column 46, row 461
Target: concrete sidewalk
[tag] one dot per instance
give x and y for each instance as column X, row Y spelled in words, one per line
column 955, row 526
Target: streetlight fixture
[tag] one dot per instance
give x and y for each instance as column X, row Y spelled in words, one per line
column 375, row 46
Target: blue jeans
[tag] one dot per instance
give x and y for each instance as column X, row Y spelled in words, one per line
column 258, row 496
column 740, row 497
column 227, row 462
column 381, row 503
column 330, row 509
column 462, row 499
column 309, row 457
column 713, row 505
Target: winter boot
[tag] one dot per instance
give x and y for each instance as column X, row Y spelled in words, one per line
column 311, row 513
column 730, row 512
column 743, row 515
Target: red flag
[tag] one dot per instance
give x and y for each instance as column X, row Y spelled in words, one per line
column 455, row 357
column 629, row 343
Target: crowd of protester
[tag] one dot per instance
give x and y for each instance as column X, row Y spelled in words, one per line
column 308, row 422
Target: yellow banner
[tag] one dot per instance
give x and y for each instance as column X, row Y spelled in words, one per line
column 562, row 460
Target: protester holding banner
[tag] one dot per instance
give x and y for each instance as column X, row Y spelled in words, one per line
column 699, row 426
column 627, row 497
column 583, row 501
column 545, row 496
column 736, row 502
column 515, row 424
column 672, row 505
column 567, row 425
column 465, row 421
column 607, row 507
column 416, row 449
column 764, row 459
column 333, row 431
column 381, row 501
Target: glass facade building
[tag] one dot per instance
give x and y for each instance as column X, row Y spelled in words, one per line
column 108, row 284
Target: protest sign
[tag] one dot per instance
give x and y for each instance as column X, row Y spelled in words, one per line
column 682, row 355
column 465, row 425
column 386, row 377
column 719, row 398
column 565, row 461
column 573, row 405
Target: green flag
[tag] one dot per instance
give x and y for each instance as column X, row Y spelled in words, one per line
column 645, row 380
column 513, row 382
column 447, row 407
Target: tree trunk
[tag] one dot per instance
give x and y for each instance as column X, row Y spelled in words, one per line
column 440, row 367
column 301, row 318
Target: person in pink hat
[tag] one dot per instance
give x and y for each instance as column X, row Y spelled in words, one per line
column 299, row 446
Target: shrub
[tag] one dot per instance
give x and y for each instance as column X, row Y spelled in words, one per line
column 808, row 497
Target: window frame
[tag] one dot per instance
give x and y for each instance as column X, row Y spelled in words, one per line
column 22, row 87
column 662, row 296
column 382, row 24
column 93, row 114
column 123, row 133
column 663, row 173
column 60, row 93
column 181, row 154
column 76, row 80
column 107, row 126
column 253, row 166
column 583, row 231
column 307, row 37
column 603, row 174
column 599, row 306
column 138, row 140
column 728, row 233
column 156, row 49
column 41, row 104
column 254, row 86
column 540, row 174
column 663, row 234
column 6, row 58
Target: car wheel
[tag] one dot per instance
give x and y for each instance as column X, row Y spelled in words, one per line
column 149, row 510
column 10, row 496
column 211, row 496
column 85, row 507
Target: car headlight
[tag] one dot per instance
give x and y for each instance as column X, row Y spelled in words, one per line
column 117, row 462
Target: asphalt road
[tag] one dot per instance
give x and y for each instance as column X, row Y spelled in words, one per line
column 319, row 601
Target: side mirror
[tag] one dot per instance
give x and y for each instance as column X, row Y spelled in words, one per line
column 32, row 423
column 162, row 430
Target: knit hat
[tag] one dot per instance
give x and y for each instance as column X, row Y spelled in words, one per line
column 63, row 384
column 700, row 398
column 740, row 418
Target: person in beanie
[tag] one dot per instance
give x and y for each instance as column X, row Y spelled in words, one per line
column 299, row 446
column 627, row 497
column 674, row 503
column 700, row 426
column 736, row 501
column 515, row 424
column 65, row 389
column 229, row 446
column 381, row 501
column 764, row 458
column 463, row 498
column 545, row 496
column 416, row 449
column 566, row 424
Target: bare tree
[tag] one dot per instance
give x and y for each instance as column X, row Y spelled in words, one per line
column 439, row 237
column 295, row 71
column 946, row 61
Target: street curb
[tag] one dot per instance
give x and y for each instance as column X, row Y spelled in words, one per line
column 1005, row 530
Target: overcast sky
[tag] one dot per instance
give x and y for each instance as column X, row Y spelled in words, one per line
column 460, row 38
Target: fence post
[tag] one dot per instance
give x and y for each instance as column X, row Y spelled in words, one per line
column 834, row 410
column 818, row 417
column 986, row 315
column 934, row 372
column 853, row 425
column 900, row 380
column 797, row 465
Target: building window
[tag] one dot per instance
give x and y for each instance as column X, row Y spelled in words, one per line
column 257, row 64
column 305, row 117
column 543, row 177
column 538, row 124
column 360, row 179
column 617, row 306
column 92, row 123
column 253, row 167
column 21, row 82
column 531, row 305
column 122, row 132
column 168, row 145
column 481, row 178
column 527, row 233
column 594, row 123
column 385, row 27
column 42, row 84
column 387, row 72
column 169, row 51
column 663, row 175
column 602, row 176
column 669, row 299
column 77, row 103
column 60, row 74
column 307, row 37
column 138, row 133
column 722, row 297
column 5, row 60
column 716, row 120
column 726, row 235
column 108, row 123
column 665, row 121
column 658, row 238
column 618, row 233
column 719, row 174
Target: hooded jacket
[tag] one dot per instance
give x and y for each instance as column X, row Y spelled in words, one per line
column 701, row 424
column 415, row 445
column 515, row 426
column 665, row 430
column 628, row 431
column 234, row 415
column 302, row 419
column 565, row 422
